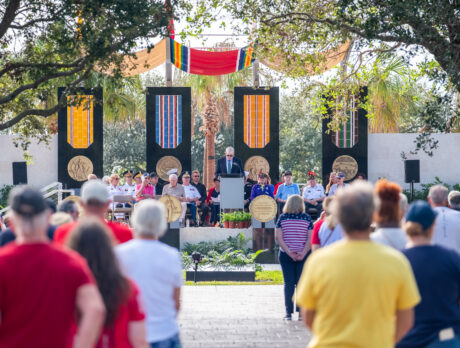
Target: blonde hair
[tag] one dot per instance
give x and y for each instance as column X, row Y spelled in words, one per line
column 294, row 205
column 415, row 229
column 328, row 187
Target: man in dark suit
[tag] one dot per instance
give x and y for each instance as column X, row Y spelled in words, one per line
column 229, row 164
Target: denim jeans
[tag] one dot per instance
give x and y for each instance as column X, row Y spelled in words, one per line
column 291, row 273
column 192, row 207
column 172, row 342
column 453, row 343
column 215, row 213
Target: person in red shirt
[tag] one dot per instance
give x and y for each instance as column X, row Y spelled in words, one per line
column 42, row 286
column 95, row 202
column 315, row 241
column 124, row 324
column 279, row 184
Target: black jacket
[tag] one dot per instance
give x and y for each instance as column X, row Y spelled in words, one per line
column 221, row 166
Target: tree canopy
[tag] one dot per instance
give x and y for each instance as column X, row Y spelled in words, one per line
column 50, row 43
column 296, row 27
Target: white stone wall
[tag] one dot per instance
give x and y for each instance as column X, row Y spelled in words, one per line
column 43, row 169
column 385, row 160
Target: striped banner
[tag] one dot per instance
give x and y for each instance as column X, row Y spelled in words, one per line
column 347, row 135
column 80, row 121
column 200, row 62
column 256, row 120
column 168, row 113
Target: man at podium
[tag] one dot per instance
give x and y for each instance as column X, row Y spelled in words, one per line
column 229, row 164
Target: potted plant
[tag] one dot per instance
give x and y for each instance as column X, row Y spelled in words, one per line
column 240, row 216
column 232, row 219
column 225, row 219
column 247, row 219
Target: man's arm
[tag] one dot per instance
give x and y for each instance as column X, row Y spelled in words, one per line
column 404, row 322
column 92, row 311
column 176, row 296
column 308, row 317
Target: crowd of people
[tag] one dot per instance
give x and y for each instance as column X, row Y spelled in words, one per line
column 374, row 271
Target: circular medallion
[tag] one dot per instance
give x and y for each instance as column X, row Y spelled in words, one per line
column 173, row 207
column 263, row 208
column 254, row 165
column 79, row 168
column 165, row 164
column 347, row 165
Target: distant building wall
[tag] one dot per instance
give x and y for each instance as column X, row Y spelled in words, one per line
column 40, row 173
column 385, row 160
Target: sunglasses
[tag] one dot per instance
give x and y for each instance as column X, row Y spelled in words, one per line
column 229, row 155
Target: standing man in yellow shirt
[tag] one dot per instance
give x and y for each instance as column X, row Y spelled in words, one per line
column 356, row 293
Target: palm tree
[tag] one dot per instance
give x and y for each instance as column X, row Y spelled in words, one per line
column 213, row 98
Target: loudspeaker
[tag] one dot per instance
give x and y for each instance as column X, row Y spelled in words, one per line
column 19, row 173
column 412, row 171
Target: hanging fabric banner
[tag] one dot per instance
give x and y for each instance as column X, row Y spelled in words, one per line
column 256, row 120
column 347, row 135
column 80, row 121
column 201, row 62
column 168, row 113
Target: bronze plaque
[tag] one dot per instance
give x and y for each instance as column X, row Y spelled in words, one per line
column 79, row 168
column 347, row 165
column 254, row 165
column 165, row 164
column 173, row 207
column 263, row 208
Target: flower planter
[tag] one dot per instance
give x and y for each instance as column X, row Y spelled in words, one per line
column 239, row 276
column 226, row 224
column 231, row 224
column 241, row 224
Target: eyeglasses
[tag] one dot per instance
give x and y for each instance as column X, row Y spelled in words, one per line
column 196, row 176
column 229, row 155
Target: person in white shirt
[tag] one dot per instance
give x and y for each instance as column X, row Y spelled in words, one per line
column 192, row 196
column 157, row 270
column 388, row 216
column 340, row 177
column 447, row 227
column 129, row 187
column 114, row 189
column 313, row 194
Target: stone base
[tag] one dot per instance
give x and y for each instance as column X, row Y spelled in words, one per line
column 236, row 276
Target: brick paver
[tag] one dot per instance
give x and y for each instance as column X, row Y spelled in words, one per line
column 238, row 316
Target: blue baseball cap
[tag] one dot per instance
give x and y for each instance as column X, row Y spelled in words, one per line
column 422, row 213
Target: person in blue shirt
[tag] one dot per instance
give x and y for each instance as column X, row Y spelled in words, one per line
column 437, row 272
column 287, row 189
column 263, row 187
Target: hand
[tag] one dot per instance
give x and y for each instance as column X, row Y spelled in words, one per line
column 300, row 256
column 198, row 203
column 315, row 203
column 292, row 255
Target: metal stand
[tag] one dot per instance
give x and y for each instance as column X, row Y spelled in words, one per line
column 412, row 190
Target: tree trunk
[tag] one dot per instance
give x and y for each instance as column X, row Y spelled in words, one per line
column 210, row 128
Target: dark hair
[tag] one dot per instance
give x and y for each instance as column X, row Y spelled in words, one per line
column 67, row 206
column 91, row 239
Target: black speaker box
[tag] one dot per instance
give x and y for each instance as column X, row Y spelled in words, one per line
column 412, row 171
column 19, row 173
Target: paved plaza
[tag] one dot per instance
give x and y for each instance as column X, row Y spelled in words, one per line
column 238, row 316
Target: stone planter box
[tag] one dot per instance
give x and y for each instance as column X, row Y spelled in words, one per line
column 236, row 276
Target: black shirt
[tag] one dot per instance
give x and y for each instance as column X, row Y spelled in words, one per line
column 202, row 190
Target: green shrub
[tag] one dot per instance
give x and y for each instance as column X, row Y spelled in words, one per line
column 4, row 193
column 422, row 193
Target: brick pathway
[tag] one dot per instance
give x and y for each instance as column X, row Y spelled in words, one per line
column 238, row 316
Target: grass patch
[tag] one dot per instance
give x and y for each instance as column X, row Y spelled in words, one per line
column 262, row 278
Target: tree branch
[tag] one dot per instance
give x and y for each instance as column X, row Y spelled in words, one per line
column 46, row 112
column 13, row 66
column 8, row 17
column 39, row 81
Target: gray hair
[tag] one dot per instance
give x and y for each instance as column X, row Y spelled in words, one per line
column 403, row 203
column 454, row 200
column 438, row 194
column 172, row 176
column 149, row 218
column 67, row 207
column 354, row 206
column 230, row 150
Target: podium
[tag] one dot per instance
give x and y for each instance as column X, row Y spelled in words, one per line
column 231, row 191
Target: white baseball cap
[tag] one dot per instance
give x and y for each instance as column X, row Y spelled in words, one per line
column 94, row 190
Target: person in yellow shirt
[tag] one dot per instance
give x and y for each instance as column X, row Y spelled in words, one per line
column 356, row 293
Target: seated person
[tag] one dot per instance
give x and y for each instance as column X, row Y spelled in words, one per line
column 145, row 190
column 114, row 189
column 202, row 190
column 214, row 201
column 177, row 190
column 263, row 187
column 313, row 194
column 340, row 177
column 129, row 187
column 192, row 196
column 248, row 184
column 288, row 188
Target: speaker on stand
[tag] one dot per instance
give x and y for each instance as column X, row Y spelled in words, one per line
column 412, row 174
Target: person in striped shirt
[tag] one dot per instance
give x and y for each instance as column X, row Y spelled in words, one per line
column 293, row 233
